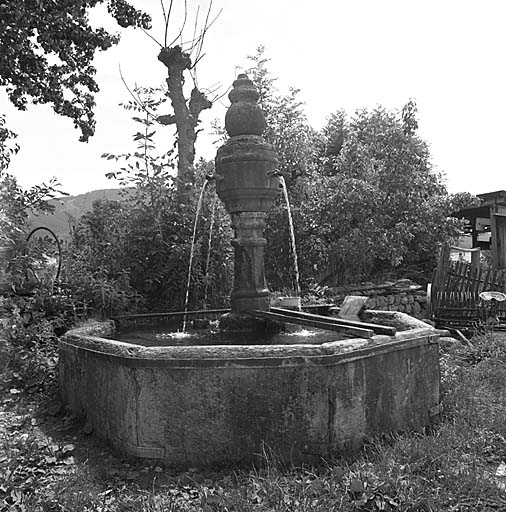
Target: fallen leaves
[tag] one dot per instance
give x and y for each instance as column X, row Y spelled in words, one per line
column 54, row 408
column 30, row 460
column 132, row 475
column 68, row 448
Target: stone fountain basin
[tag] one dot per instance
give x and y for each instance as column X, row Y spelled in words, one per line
column 201, row 405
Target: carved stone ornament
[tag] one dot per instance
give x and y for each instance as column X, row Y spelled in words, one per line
column 247, row 184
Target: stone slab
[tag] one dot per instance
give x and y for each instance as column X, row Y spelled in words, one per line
column 352, row 306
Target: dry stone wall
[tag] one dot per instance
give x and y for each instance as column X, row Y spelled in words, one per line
column 403, row 295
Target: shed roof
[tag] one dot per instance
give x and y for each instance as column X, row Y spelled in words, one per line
column 483, row 210
column 497, row 197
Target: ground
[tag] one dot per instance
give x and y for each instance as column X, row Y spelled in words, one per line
column 50, row 461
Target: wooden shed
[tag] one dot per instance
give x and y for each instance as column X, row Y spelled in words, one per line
column 457, row 293
column 488, row 226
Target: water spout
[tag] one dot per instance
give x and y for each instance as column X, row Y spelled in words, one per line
column 295, row 261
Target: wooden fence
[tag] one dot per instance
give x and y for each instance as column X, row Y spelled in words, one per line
column 455, row 294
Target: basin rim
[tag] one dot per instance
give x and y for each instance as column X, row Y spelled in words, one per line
column 90, row 338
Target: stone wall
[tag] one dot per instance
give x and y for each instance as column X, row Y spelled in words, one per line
column 402, row 295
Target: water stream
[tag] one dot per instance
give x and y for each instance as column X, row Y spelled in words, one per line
column 292, row 236
column 208, row 258
column 192, row 251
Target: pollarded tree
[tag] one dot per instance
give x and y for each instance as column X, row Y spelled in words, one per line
column 181, row 60
column 47, row 50
column 180, row 55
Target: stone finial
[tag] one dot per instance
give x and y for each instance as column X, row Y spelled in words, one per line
column 244, row 116
column 248, row 188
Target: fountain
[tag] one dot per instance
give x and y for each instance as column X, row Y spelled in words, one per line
column 203, row 403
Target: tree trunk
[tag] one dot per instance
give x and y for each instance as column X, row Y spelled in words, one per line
column 186, row 115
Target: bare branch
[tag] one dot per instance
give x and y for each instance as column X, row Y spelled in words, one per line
column 210, row 92
column 218, row 98
column 194, row 42
column 195, row 26
column 166, row 120
column 182, row 25
column 198, row 60
column 198, row 41
column 164, row 88
column 208, row 24
column 216, row 85
column 163, row 11
column 193, row 74
column 204, row 30
column 167, row 22
column 149, row 35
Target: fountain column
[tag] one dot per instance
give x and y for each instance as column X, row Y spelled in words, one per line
column 246, row 183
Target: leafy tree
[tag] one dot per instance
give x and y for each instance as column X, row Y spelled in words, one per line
column 147, row 170
column 142, row 244
column 120, row 245
column 15, row 205
column 287, row 127
column 364, row 194
column 296, row 145
column 8, row 148
column 379, row 202
column 32, row 316
column 332, row 139
column 47, row 50
column 97, row 269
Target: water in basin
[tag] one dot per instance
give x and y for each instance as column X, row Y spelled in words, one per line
column 170, row 334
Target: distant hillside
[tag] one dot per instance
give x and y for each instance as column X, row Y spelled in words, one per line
column 69, row 209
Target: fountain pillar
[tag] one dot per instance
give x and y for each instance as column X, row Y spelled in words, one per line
column 247, row 185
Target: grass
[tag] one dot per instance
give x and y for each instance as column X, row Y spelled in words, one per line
column 48, row 463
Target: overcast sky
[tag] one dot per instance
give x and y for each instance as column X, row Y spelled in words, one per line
column 447, row 55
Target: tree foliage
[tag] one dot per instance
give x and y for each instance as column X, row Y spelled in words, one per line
column 16, row 202
column 47, row 50
column 129, row 245
column 287, row 127
column 379, row 202
column 365, row 196
column 296, row 145
column 147, row 169
column 31, row 313
column 8, row 146
column 142, row 244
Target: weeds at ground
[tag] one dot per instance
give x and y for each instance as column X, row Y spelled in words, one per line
column 48, row 463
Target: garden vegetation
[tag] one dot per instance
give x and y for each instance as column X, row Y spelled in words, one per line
column 367, row 203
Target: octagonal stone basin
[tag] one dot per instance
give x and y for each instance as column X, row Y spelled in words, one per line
column 201, row 405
